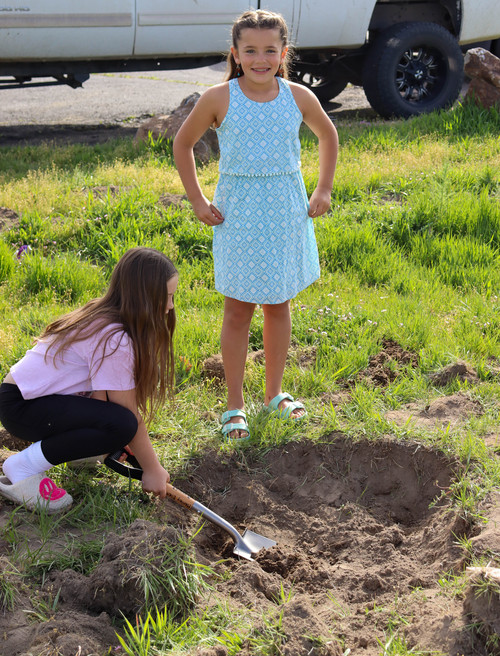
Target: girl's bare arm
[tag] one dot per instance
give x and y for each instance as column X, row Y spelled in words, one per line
column 318, row 121
column 155, row 477
column 207, row 112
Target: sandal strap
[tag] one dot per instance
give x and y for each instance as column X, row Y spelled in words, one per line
column 230, row 414
column 229, row 428
column 274, row 403
column 284, row 413
column 287, row 412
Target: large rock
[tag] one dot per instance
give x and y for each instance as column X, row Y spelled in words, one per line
column 167, row 126
column 484, row 70
column 480, row 63
column 483, row 93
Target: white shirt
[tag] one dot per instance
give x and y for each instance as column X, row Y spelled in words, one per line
column 76, row 370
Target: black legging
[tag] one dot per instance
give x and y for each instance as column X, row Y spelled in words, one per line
column 69, row 427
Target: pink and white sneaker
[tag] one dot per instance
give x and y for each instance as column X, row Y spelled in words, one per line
column 36, row 493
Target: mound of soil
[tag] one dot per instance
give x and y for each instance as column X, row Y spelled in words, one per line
column 115, row 586
column 385, row 366
column 8, row 218
column 443, row 411
column 363, row 532
column 457, row 370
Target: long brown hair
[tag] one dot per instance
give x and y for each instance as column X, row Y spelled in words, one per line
column 258, row 19
column 136, row 300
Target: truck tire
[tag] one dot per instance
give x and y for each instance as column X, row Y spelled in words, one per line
column 413, row 68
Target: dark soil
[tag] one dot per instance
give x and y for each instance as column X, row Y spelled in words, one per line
column 363, row 532
column 34, row 135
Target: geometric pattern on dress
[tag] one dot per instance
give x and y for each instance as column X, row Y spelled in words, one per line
column 258, row 138
column 265, row 250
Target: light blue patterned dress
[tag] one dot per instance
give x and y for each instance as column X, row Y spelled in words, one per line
column 265, row 251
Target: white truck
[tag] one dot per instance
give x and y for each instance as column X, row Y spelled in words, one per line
column 406, row 54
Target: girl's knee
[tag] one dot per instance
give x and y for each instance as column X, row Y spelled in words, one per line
column 238, row 313
column 280, row 310
column 122, row 424
column 123, row 431
column 130, row 425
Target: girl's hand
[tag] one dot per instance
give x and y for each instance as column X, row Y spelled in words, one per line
column 207, row 213
column 155, row 481
column 320, row 201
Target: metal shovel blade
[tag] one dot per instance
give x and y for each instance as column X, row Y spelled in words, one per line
column 245, row 545
column 251, row 543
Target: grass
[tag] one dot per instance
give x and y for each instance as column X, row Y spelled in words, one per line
column 409, row 250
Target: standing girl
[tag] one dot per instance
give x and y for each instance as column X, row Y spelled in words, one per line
column 83, row 388
column 264, row 245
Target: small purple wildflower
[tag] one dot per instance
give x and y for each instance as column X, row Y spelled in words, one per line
column 22, row 250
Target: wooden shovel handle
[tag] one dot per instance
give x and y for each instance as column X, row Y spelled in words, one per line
column 179, row 497
column 135, row 471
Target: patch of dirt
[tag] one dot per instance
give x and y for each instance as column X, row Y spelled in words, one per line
column 113, row 191
column 63, row 634
column 460, row 370
column 385, row 366
column 115, row 586
column 8, row 218
column 305, row 357
column 176, row 200
column 492, row 440
column 482, row 603
column 363, row 531
column 259, row 357
column 8, row 441
column 336, row 399
column 444, row 411
column 63, row 135
column 213, row 366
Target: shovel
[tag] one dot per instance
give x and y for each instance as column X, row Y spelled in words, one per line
column 245, row 545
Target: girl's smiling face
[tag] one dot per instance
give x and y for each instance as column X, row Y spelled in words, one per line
column 260, row 53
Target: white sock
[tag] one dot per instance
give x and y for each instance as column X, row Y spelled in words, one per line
column 26, row 463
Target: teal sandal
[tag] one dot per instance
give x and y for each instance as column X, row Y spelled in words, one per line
column 285, row 413
column 228, row 426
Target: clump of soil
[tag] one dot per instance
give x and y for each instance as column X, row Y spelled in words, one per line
column 460, row 370
column 176, row 200
column 363, row 531
column 8, row 218
column 337, row 398
column 113, row 191
column 306, row 357
column 115, row 586
column 66, row 633
column 213, row 368
column 258, row 357
column 443, row 411
column 8, row 441
column 385, row 366
column 482, row 600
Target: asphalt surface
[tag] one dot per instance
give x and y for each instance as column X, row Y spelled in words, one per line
column 112, row 104
column 104, row 98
